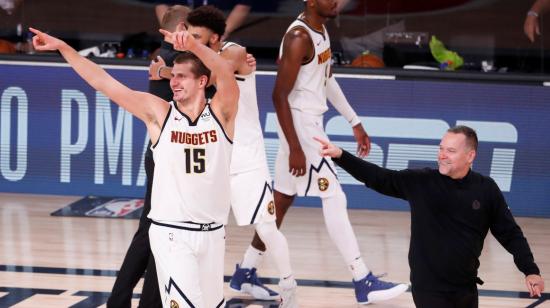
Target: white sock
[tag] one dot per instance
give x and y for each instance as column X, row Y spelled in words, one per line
column 340, row 231
column 252, row 258
column 358, row 269
column 287, row 282
column 277, row 246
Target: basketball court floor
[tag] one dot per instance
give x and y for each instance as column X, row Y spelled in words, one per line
column 48, row 261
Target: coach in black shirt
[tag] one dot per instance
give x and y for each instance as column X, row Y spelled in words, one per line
column 452, row 209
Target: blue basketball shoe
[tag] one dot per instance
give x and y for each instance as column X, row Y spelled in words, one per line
column 372, row 290
column 246, row 280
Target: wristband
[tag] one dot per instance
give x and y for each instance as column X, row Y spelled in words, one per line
column 533, row 13
column 158, row 71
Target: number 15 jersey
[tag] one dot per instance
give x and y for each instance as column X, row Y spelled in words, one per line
column 191, row 179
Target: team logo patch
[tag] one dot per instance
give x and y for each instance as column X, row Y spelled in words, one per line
column 476, row 205
column 174, row 304
column 323, row 184
column 271, row 208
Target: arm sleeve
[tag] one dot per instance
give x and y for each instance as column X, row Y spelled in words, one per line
column 505, row 229
column 339, row 101
column 385, row 181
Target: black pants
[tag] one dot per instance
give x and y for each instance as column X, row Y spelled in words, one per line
column 466, row 298
column 137, row 259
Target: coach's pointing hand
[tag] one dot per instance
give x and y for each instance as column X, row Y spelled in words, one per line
column 328, row 149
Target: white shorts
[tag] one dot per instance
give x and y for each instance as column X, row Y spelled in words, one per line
column 320, row 178
column 189, row 265
column 252, row 197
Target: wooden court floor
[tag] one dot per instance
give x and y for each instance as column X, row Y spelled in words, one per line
column 48, row 261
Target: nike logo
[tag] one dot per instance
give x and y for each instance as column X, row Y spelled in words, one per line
column 319, row 43
column 177, row 119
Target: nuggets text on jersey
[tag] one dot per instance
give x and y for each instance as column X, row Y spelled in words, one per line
column 194, row 139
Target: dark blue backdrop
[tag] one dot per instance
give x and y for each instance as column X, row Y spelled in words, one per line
column 58, row 136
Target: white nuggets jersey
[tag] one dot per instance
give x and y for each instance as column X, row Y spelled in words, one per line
column 309, row 94
column 248, row 141
column 191, row 180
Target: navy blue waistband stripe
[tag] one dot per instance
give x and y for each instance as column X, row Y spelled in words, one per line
column 194, row 226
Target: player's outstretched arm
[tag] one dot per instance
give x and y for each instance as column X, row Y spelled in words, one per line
column 138, row 103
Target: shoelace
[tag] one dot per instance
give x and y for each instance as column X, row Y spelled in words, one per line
column 253, row 277
column 380, row 283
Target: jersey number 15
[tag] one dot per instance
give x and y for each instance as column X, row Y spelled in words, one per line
column 195, row 160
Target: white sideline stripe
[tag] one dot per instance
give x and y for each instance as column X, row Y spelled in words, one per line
column 266, row 73
column 146, row 68
column 356, row 76
column 367, row 76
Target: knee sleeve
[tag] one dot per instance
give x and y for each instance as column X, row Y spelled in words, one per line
column 339, row 227
column 276, row 245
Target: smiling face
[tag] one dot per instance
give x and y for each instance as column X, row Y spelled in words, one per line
column 455, row 156
column 189, row 77
column 184, row 83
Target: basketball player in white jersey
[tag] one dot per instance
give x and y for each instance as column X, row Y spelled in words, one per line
column 192, row 150
column 251, row 191
column 303, row 83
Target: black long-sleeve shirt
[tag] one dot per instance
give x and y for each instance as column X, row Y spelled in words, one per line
column 449, row 221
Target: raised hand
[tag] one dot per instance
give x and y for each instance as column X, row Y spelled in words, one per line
column 531, row 27
column 155, row 67
column 251, row 61
column 42, row 41
column 181, row 40
column 328, row 149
